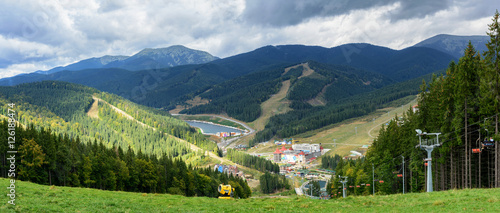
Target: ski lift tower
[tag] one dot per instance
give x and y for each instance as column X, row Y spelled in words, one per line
column 428, row 146
column 343, row 185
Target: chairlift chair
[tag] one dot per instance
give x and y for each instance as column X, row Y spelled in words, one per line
column 488, row 143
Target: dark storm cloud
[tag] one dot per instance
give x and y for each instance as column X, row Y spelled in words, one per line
column 292, row 12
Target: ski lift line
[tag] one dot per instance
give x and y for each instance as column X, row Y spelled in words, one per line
column 454, row 138
column 450, row 139
column 448, row 133
column 471, row 125
column 392, row 161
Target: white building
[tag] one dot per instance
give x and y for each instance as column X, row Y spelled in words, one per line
column 307, row 147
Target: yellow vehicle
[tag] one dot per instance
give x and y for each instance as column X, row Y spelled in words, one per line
column 226, row 191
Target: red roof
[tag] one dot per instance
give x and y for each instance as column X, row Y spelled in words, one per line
column 290, row 148
column 277, row 152
column 301, row 153
column 283, row 148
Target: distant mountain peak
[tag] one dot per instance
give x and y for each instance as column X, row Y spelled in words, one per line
column 172, row 51
column 147, row 58
column 166, row 57
column 454, row 44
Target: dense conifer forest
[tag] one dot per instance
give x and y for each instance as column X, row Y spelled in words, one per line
column 463, row 106
column 62, row 107
column 253, row 162
column 56, row 159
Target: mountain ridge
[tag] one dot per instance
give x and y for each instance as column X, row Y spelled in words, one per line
column 148, row 58
column 166, row 87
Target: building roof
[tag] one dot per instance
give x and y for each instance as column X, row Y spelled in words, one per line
column 302, row 153
column 277, row 152
column 283, row 148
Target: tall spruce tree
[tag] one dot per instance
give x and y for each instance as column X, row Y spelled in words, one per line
column 466, row 93
column 491, row 82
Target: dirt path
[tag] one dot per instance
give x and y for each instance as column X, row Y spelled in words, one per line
column 369, row 131
column 307, row 70
column 94, row 109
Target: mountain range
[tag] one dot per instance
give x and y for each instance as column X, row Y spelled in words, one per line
column 165, row 77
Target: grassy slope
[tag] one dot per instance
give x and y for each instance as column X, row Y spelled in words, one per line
column 344, row 132
column 368, row 128
column 39, row 198
column 274, row 105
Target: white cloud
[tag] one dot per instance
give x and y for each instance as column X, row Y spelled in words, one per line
column 44, row 34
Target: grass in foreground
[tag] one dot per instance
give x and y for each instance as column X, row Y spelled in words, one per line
column 39, row 198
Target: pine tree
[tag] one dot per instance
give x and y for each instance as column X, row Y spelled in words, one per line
column 32, row 160
column 87, row 172
column 491, row 82
column 466, row 93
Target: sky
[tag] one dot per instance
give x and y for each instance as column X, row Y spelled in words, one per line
column 42, row 34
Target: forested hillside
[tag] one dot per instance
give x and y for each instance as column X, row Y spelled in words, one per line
column 305, row 117
column 52, row 159
column 241, row 97
column 62, row 107
column 463, row 106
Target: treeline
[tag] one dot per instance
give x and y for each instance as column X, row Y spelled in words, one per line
column 270, row 183
column 47, row 158
column 253, row 162
column 464, row 107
